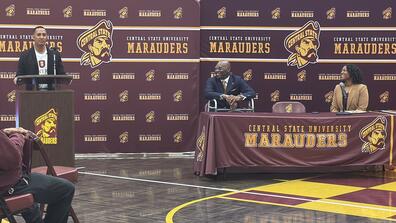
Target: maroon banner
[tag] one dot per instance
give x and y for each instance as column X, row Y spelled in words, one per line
column 143, row 97
column 302, row 140
column 264, row 43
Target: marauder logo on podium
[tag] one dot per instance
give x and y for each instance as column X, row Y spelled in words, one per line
column 303, row 44
column 45, row 127
column 96, row 43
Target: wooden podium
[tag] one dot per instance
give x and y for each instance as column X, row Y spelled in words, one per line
column 48, row 113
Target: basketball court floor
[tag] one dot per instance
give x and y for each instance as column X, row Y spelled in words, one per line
column 165, row 190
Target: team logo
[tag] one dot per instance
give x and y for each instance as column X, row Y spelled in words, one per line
column 178, row 13
column 303, row 44
column 276, row 13
column 96, row 44
column 45, row 127
column 289, row 108
column 374, row 135
column 275, row 96
column 178, row 96
column 10, row 10
column 221, row 13
column 124, row 137
column 302, row 76
column 329, row 97
column 384, row 97
column 123, row 13
column 331, row 14
column 248, row 75
column 150, row 117
column 95, row 117
column 200, row 144
column 387, row 13
column 123, row 96
column 150, row 75
column 95, row 76
column 178, row 137
column 68, row 11
column 41, row 63
column 11, row 96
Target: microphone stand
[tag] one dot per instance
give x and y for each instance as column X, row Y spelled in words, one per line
column 344, row 100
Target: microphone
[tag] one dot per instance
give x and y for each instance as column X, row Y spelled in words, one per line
column 344, row 95
column 55, row 49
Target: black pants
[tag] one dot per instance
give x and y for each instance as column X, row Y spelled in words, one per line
column 56, row 192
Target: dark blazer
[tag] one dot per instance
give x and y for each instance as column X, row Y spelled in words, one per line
column 27, row 64
column 236, row 86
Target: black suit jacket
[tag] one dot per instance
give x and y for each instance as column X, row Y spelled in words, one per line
column 235, row 86
column 27, row 64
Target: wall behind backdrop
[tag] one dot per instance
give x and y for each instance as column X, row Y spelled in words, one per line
column 147, row 97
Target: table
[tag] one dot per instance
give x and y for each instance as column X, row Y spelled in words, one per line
column 293, row 140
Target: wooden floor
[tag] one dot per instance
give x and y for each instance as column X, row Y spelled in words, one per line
column 165, row 190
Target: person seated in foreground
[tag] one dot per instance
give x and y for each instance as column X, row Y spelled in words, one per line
column 16, row 179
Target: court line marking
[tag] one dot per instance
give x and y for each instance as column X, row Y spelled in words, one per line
column 234, row 191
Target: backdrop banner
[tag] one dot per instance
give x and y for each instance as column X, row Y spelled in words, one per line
column 140, row 68
column 135, row 67
column 294, row 51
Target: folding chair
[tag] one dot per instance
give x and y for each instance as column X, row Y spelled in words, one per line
column 288, row 107
column 68, row 173
column 12, row 205
column 244, row 106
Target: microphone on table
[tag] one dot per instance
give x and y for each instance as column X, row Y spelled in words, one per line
column 344, row 100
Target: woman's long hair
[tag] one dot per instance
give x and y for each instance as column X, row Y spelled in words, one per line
column 355, row 73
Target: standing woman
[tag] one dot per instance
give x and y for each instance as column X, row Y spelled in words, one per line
column 351, row 93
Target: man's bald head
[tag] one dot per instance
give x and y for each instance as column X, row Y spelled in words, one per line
column 222, row 69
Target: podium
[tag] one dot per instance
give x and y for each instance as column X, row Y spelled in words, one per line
column 49, row 113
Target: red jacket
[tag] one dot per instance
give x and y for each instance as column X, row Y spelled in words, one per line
column 11, row 152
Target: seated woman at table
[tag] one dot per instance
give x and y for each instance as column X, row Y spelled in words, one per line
column 351, row 93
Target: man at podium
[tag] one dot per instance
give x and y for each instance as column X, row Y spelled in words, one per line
column 40, row 59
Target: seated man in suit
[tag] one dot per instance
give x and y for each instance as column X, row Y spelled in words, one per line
column 228, row 89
